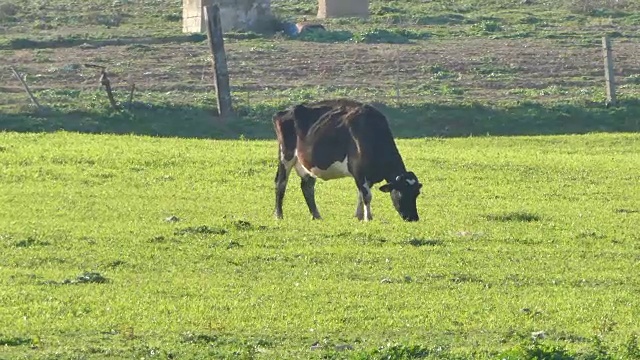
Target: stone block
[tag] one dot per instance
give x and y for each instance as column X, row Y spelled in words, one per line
column 254, row 15
column 343, row 8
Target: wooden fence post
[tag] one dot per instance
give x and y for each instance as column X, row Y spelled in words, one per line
column 26, row 88
column 608, row 71
column 104, row 81
column 216, row 45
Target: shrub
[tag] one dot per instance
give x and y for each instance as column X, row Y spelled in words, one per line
column 592, row 7
column 8, row 11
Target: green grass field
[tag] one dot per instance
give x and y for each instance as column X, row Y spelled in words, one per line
column 148, row 233
column 518, row 236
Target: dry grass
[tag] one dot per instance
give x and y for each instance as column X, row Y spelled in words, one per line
column 589, row 6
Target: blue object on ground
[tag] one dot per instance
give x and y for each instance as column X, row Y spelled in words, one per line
column 290, row 29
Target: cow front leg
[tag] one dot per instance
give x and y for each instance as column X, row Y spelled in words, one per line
column 282, row 176
column 365, row 198
column 308, row 184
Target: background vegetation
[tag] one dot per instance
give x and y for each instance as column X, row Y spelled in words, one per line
column 440, row 67
column 148, row 233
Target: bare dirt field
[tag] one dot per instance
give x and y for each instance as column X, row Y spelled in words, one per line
column 479, row 67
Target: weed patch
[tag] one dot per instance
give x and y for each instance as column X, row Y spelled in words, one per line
column 486, row 27
column 30, row 242
column 200, row 230
column 116, row 263
column 627, row 211
column 459, row 278
column 406, row 352
column 441, row 73
column 105, row 19
column 590, row 234
column 424, row 242
column 159, row 239
column 15, row 341
column 233, row 244
column 243, row 225
column 378, row 36
column 84, row 278
column 514, row 216
column 200, row 339
column 538, row 350
column 372, row 36
column 327, row 36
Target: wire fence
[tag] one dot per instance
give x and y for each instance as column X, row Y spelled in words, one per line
column 292, row 70
column 462, row 69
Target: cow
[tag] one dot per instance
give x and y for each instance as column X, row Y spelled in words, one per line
column 339, row 138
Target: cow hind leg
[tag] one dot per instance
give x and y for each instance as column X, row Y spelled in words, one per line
column 282, row 176
column 308, row 184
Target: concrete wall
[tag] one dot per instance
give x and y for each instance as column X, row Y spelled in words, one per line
column 235, row 15
column 343, row 8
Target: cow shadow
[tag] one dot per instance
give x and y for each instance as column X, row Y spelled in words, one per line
column 406, row 121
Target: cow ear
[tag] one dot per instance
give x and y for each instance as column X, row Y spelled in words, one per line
column 300, row 112
column 385, row 188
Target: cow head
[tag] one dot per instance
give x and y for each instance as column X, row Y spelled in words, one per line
column 404, row 190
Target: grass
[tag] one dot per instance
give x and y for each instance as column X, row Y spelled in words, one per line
column 90, row 20
column 133, row 246
column 173, row 114
column 148, row 233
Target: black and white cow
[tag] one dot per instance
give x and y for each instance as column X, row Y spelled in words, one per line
column 339, row 138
